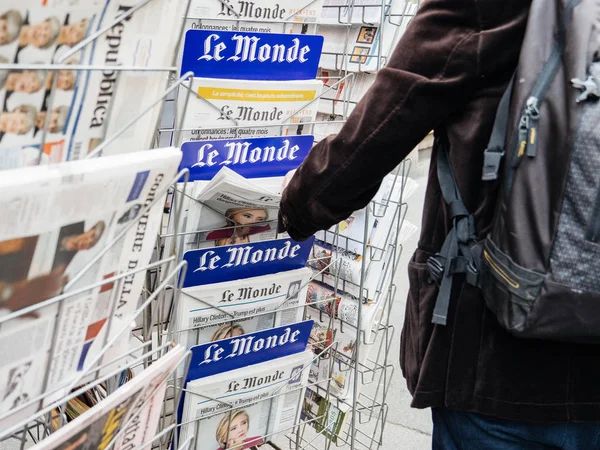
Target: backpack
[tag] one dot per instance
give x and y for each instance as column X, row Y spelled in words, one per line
column 539, row 267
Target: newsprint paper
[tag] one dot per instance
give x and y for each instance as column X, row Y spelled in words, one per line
column 132, row 412
column 87, row 105
column 264, row 398
column 243, row 15
column 203, row 311
column 58, row 221
column 266, row 108
column 230, row 210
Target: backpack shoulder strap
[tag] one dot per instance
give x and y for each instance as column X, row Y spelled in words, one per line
column 495, row 150
column 455, row 255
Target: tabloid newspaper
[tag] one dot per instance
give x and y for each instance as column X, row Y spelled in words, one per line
column 264, row 398
column 249, row 301
column 131, row 414
column 242, row 15
column 87, row 105
column 59, row 220
column 270, row 108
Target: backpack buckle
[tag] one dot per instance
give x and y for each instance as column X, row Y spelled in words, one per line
column 491, row 163
column 435, row 265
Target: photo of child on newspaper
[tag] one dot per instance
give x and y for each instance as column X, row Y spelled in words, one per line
column 227, row 330
column 17, row 289
column 240, row 234
column 232, row 431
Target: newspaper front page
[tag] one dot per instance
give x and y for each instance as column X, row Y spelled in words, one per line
column 254, row 412
column 59, row 220
column 270, row 108
column 203, row 310
column 132, row 410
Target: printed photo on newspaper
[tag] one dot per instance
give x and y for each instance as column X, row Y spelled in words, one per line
column 54, row 239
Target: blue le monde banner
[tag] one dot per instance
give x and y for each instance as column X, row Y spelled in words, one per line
column 251, row 56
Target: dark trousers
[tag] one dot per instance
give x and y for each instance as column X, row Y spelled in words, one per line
column 467, row 431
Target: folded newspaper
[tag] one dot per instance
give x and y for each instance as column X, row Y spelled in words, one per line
column 266, row 17
column 217, row 311
column 242, row 408
column 264, row 108
column 66, row 227
column 86, row 105
column 128, row 418
column 231, row 209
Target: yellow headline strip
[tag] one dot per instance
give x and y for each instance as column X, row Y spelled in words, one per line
column 256, row 95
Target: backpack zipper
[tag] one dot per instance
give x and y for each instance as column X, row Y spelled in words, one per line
column 527, row 136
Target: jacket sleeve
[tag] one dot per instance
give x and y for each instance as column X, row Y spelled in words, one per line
column 430, row 74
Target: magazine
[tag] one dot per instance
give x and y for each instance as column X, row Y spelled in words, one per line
column 265, row 108
column 203, row 311
column 325, row 416
column 340, row 334
column 53, row 239
column 131, row 414
column 240, row 409
column 87, row 105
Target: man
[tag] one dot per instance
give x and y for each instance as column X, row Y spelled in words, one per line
column 487, row 389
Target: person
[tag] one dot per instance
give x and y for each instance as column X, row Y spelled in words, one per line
column 18, row 121
column 10, row 25
column 487, row 389
column 41, row 35
column 65, row 82
column 227, row 330
column 232, row 431
column 72, row 33
column 17, row 290
column 240, row 235
column 26, row 81
column 58, row 119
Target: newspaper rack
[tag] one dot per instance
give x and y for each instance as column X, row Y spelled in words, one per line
column 366, row 406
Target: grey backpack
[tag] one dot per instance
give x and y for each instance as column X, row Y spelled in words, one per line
column 539, row 267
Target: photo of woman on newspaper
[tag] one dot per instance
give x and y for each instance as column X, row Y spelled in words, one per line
column 10, row 26
column 19, row 121
column 25, row 81
column 227, row 330
column 58, row 119
column 232, row 431
column 240, row 234
column 17, row 289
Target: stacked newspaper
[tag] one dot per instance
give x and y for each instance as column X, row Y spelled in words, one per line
column 265, row 108
column 127, row 419
column 241, row 408
column 212, row 312
column 230, row 210
column 266, row 17
column 67, row 227
column 85, row 106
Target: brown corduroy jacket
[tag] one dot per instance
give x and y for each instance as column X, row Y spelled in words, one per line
column 447, row 74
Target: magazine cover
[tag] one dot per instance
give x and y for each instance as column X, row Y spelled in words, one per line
column 59, row 219
column 131, row 414
column 241, row 409
column 325, row 416
column 269, row 108
column 203, row 311
column 342, row 334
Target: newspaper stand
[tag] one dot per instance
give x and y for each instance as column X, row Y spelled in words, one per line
column 367, row 405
